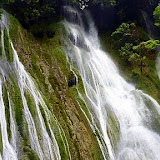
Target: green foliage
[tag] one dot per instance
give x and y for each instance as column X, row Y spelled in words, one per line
column 135, row 58
column 126, row 50
column 128, row 33
column 127, row 53
column 30, row 153
column 6, row 104
column 156, row 15
column 37, row 9
column 132, row 49
column 30, row 11
column 146, row 47
column 151, row 45
column 133, row 45
column 137, row 55
column 122, row 30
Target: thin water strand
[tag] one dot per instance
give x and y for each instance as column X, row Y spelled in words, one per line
column 8, row 151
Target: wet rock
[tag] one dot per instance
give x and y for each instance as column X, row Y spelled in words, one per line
column 72, row 81
column 50, row 34
column 38, row 34
column 79, row 42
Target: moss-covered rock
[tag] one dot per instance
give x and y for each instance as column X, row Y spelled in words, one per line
column 45, row 59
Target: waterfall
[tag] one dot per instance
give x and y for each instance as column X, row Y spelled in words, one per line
column 34, row 131
column 127, row 119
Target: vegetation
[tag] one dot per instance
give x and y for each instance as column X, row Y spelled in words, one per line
column 136, row 59
column 133, row 48
column 41, row 49
column 44, row 58
column 156, row 15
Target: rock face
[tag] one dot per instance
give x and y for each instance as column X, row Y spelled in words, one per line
column 124, row 11
column 46, row 62
column 104, row 18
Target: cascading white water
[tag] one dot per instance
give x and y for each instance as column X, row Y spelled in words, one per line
column 107, row 94
column 8, row 151
column 42, row 140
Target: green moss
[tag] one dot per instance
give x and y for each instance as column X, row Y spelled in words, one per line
column 54, row 82
column 45, row 119
column 30, row 153
column 31, row 104
column 7, row 110
column 150, row 85
column 33, row 110
column 80, row 85
column 19, row 113
column 48, row 61
column 44, row 26
column 60, row 138
column 18, row 108
column 100, row 137
column 113, row 130
column 36, row 71
column 155, row 119
column 7, row 47
column 13, row 26
column 74, row 94
column 85, row 109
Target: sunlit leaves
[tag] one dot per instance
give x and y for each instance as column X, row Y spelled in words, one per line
column 122, row 30
column 156, row 14
column 126, row 50
column 148, row 46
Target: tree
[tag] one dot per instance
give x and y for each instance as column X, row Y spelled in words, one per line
column 156, row 15
column 137, row 55
column 122, row 31
column 143, row 49
column 147, row 47
column 127, row 33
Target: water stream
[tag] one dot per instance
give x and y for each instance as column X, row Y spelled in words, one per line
column 112, row 103
column 40, row 132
